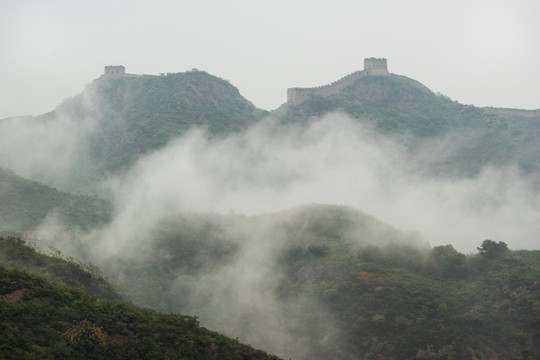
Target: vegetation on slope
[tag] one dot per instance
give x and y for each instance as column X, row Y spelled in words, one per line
column 401, row 107
column 64, row 270
column 45, row 320
column 139, row 114
column 403, row 303
column 346, row 286
column 25, row 202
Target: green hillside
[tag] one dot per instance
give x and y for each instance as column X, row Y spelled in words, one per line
column 64, row 270
column 139, row 114
column 114, row 122
column 144, row 113
column 340, row 284
column 104, row 130
column 45, row 320
column 29, row 203
column 468, row 137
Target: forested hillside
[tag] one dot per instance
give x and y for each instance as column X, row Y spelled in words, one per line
column 468, row 137
column 328, row 282
column 28, row 203
column 103, row 131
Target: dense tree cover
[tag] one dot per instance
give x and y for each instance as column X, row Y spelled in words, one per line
column 492, row 249
column 386, row 293
column 393, row 307
column 41, row 319
column 135, row 115
column 62, row 269
column 406, row 110
column 26, row 202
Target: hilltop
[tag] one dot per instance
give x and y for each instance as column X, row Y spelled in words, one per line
column 404, row 109
column 104, row 130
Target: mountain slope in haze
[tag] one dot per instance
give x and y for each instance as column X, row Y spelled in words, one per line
column 144, row 113
column 28, row 203
column 105, row 129
column 464, row 138
column 42, row 319
column 191, row 243
column 64, row 270
column 329, row 282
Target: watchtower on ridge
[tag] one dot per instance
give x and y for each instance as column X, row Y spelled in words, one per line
column 374, row 66
column 114, row 71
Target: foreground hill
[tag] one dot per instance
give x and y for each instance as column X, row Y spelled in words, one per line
column 329, row 282
column 28, row 203
column 45, row 320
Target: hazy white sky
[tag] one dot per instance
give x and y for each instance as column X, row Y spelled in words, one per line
column 485, row 53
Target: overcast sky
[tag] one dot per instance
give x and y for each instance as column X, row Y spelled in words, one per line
column 485, row 53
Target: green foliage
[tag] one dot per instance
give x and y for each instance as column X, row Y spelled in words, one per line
column 45, row 320
column 389, row 300
column 140, row 114
column 15, row 254
column 410, row 112
column 492, row 249
column 25, row 202
column 449, row 263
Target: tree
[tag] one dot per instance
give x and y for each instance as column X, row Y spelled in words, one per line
column 492, row 249
column 451, row 262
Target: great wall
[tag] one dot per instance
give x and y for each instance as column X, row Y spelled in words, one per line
column 297, row 95
column 372, row 66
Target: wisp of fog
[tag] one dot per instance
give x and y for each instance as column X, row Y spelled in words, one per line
column 336, row 160
column 270, row 167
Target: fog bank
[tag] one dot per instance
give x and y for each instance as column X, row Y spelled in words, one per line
column 335, row 160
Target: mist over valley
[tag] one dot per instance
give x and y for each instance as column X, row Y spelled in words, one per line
column 379, row 220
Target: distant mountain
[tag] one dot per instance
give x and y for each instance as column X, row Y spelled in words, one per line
column 113, row 122
column 329, row 282
column 106, row 128
column 143, row 113
column 28, row 203
column 44, row 319
column 468, row 137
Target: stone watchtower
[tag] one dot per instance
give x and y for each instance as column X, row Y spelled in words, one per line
column 374, row 66
column 114, row 72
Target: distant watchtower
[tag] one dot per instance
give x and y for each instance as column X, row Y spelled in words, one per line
column 114, row 72
column 374, row 66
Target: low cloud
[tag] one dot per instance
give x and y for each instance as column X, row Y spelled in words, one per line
column 269, row 168
column 335, row 160
column 50, row 147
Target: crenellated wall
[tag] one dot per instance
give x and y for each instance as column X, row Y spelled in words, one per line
column 372, row 66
